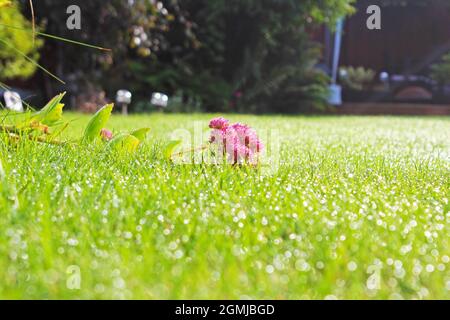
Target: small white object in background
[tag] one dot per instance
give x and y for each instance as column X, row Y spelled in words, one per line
column 384, row 79
column 123, row 98
column 159, row 100
column 335, row 95
column 13, row 101
column 343, row 74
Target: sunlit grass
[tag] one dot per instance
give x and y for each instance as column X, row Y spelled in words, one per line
column 353, row 197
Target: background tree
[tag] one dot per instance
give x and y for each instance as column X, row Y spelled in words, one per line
column 252, row 56
column 227, row 55
column 132, row 29
column 13, row 41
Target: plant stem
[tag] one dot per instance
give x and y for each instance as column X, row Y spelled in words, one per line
column 33, row 21
column 202, row 148
column 38, row 139
column 15, row 133
column 9, row 129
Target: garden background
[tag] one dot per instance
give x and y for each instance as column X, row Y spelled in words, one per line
column 354, row 208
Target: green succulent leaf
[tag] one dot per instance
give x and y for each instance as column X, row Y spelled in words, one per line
column 97, row 123
column 124, row 143
column 141, row 134
column 170, row 148
column 51, row 113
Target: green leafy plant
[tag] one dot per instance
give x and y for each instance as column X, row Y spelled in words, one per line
column 97, row 123
column 170, row 148
column 440, row 72
column 358, row 78
column 125, row 143
column 140, row 134
column 42, row 126
column 51, row 113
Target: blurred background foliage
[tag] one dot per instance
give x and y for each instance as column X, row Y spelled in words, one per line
column 440, row 72
column 209, row 55
column 14, row 42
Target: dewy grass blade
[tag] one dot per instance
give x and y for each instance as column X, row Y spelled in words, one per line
column 4, row 86
column 33, row 21
column 31, row 60
column 42, row 34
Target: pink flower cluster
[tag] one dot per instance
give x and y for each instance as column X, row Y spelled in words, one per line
column 237, row 143
column 106, row 134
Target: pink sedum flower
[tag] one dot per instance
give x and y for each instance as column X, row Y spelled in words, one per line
column 259, row 146
column 106, row 134
column 237, row 143
column 216, row 136
column 240, row 154
column 218, row 123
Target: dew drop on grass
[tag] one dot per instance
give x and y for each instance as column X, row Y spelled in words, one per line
column 264, row 221
column 270, row 269
column 352, row 266
column 178, row 254
column 72, row 242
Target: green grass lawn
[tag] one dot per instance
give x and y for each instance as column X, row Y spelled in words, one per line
column 358, row 208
